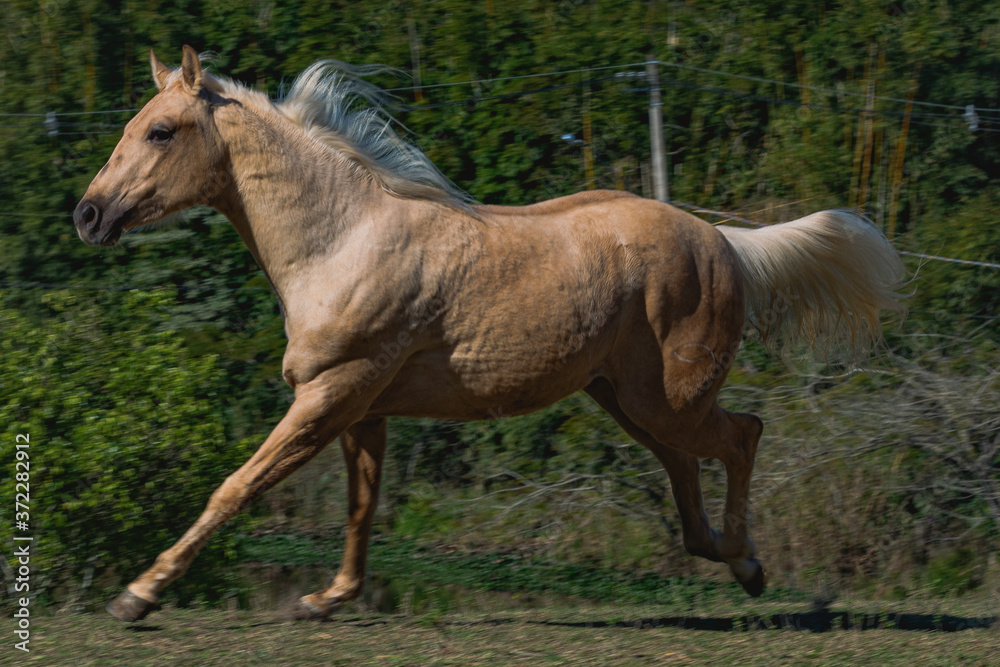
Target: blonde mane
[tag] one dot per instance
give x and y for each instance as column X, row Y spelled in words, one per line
column 330, row 102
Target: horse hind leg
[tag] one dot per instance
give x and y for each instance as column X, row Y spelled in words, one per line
column 729, row 437
column 364, row 450
column 700, row 539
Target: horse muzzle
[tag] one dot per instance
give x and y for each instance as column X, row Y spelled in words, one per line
column 94, row 226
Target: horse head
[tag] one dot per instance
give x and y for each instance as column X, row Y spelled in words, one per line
column 169, row 158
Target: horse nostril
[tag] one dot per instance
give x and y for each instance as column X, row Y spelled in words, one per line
column 88, row 216
column 91, row 216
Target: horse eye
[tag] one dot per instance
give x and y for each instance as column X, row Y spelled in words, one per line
column 160, row 134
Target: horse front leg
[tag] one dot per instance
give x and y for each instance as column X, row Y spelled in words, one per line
column 323, row 408
column 364, row 450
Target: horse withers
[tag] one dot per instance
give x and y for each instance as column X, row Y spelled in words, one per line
column 402, row 297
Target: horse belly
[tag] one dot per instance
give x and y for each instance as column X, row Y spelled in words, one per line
column 473, row 384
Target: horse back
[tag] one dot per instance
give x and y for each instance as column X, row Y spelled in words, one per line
column 557, row 205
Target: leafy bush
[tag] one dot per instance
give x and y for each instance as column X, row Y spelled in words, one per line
column 126, row 444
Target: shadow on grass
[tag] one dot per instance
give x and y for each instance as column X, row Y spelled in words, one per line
column 817, row 621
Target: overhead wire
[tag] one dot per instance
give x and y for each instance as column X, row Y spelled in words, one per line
column 664, row 63
column 471, row 82
column 729, row 216
column 818, row 88
column 960, row 124
column 127, row 288
column 66, row 113
column 813, row 105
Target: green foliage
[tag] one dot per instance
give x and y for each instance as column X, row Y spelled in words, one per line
column 126, row 444
column 420, row 518
column 955, row 573
column 972, row 233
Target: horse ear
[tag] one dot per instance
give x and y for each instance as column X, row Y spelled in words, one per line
column 160, row 71
column 191, row 70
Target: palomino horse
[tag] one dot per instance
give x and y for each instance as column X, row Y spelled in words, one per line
column 402, row 297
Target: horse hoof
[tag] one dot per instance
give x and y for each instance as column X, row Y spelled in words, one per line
column 305, row 609
column 129, row 608
column 754, row 584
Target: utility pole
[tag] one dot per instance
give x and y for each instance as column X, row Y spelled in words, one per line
column 418, row 93
column 660, row 187
column 588, row 150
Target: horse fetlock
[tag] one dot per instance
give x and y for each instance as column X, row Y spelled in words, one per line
column 165, row 570
column 705, row 545
column 345, row 589
column 732, row 548
column 701, row 549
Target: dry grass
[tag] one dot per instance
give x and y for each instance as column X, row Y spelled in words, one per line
column 550, row 635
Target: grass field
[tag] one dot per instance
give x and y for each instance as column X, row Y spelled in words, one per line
column 587, row 635
column 445, row 607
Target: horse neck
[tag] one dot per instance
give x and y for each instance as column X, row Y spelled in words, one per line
column 290, row 199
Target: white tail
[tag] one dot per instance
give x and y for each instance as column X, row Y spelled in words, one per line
column 825, row 277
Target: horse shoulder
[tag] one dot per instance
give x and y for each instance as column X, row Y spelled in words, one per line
column 378, row 300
